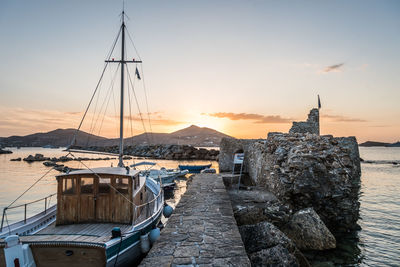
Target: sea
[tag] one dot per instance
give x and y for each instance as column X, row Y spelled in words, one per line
column 376, row 244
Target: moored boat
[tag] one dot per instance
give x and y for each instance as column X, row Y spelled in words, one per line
column 102, row 216
column 194, row 168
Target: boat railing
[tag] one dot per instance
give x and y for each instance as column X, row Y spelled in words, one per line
column 25, row 205
column 146, row 210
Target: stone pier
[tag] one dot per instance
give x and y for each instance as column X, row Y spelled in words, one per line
column 202, row 230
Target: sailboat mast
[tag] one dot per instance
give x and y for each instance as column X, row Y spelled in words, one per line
column 121, row 121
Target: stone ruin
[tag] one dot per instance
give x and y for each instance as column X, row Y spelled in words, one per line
column 309, row 126
column 303, row 170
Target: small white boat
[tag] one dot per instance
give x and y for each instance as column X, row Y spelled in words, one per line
column 163, row 174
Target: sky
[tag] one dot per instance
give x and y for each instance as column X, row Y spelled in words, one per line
column 244, row 68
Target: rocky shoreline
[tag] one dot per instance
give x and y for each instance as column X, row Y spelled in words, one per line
column 168, row 152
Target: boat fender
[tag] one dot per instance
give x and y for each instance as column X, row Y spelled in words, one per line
column 115, row 232
column 144, row 243
column 154, row 235
column 167, row 211
column 17, row 253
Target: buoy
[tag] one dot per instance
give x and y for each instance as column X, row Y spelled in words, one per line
column 154, row 235
column 144, row 243
column 167, row 211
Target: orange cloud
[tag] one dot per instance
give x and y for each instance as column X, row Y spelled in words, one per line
column 257, row 118
column 341, row 118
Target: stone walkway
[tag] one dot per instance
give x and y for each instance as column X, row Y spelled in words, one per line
column 202, row 230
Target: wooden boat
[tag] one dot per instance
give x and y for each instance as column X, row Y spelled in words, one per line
column 194, row 168
column 102, row 216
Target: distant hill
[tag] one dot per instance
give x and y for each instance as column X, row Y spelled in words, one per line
column 373, row 143
column 397, row 144
column 192, row 135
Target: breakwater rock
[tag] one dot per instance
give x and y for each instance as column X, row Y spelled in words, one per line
column 49, row 161
column 5, row 151
column 172, row 152
column 304, row 170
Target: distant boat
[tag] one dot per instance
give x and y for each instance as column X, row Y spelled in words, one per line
column 167, row 176
column 194, row 168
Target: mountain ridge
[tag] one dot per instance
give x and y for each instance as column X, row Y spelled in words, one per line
column 192, row 135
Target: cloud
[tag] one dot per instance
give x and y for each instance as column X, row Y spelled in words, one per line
column 257, row 118
column 333, row 68
column 341, row 118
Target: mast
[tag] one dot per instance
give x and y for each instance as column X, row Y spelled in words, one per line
column 121, row 119
column 123, row 63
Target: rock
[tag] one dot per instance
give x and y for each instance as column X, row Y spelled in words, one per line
column 308, row 232
column 5, row 151
column 208, row 170
column 275, row 256
column 16, row 159
column 254, row 206
column 37, row 157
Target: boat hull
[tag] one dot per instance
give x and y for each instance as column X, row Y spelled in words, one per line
column 194, row 168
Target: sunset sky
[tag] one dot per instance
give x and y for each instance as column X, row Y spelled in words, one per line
column 244, row 68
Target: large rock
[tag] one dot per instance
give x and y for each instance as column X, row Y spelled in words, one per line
column 267, row 245
column 304, row 170
column 308, row 232
column 254, row 206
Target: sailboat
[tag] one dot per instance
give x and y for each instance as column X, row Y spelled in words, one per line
column 102, row 216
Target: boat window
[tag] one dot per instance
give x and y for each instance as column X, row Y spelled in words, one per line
column 122, row 185
column 86, row 185
column 69, row 185
column 104, row 185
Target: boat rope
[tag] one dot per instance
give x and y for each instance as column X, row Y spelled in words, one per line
column 98, row 176
column 104, row 104
column 144, row 83
column 137, row 104
column 95, row 90
column 44, row 175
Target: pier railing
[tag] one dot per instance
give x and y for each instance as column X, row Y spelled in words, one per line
column 25, row 205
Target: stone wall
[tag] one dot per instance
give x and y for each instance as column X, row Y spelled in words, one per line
column 309, row 126
column 304, row 170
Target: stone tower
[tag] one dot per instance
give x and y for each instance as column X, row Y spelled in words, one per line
column 309, row 126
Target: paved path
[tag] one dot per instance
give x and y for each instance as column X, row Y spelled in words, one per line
column 202, row 230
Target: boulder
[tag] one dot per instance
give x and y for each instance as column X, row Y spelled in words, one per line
column 267, row 245
column 257, row 205
column 5, row 151
column 277, row 256
column 16, row 159
column 308, row 232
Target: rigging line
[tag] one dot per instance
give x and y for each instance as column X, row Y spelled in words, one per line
column 98, row 176
column 130, row 115
column 137, row 104
column 91, row 129
column 144, row 84
column 147, row 103
column 101, row 109
column 30, row 187
column 109, row 97
column 97, row 86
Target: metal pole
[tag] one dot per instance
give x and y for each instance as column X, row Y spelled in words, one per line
column 121, row 120
column 2, row 219
column 45, row 205
column 25, row 214
column 240, row 176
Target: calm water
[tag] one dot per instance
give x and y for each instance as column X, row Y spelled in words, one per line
column 378, row 242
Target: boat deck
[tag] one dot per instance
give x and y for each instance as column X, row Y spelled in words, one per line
column 93, row 233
